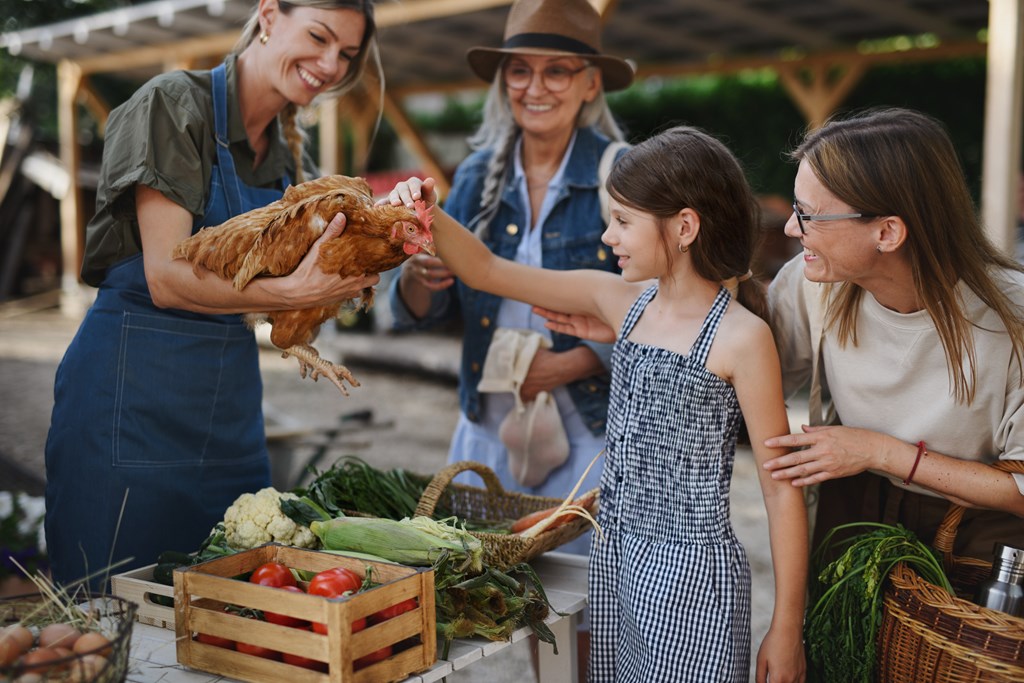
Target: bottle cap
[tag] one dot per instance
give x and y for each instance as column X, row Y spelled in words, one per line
column 1007, row 554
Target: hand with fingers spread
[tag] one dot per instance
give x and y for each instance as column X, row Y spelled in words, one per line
column 582, row 326
column 822, row 453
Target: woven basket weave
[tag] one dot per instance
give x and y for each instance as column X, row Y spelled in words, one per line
column 494, row 503
column 929, row 635
column 107, row 614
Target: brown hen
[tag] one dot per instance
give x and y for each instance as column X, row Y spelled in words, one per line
column 271, row 241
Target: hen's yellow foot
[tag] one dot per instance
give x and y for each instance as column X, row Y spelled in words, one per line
column 310, row 360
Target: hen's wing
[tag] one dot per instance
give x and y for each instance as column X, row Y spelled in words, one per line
column 272, row 240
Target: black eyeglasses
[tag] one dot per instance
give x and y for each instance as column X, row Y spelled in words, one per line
column 802, row 217
column 554, row 78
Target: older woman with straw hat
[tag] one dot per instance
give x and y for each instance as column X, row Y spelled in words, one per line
column 531, row 191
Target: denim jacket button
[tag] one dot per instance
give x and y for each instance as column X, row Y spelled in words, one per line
column 475, row 367
column 512, row 228
column 485, row 322
column 602, row 255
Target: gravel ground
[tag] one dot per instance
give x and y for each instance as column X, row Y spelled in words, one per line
column 402, row 415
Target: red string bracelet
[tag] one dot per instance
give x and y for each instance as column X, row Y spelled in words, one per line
column 921, row 450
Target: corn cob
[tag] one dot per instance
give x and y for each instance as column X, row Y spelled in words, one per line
column 417, row 542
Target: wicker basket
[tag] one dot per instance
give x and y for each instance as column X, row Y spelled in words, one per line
column 929, row 635
column 495, row 503
column 107, row 614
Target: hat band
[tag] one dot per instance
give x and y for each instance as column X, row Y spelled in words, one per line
column 549, row 41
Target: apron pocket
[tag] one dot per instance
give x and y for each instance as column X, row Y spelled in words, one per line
column 187, row 393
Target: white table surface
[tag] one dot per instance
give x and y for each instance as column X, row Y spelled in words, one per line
column 153, row 657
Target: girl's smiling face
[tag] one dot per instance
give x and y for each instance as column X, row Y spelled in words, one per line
column 536, row 108
column 834, row 251
column 635, row 237
column 313, row 49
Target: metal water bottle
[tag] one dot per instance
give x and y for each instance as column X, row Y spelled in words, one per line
column 1004, row 589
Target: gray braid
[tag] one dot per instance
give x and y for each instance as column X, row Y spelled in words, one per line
column 494, row 183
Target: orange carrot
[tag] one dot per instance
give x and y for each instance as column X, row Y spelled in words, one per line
column 526, row 521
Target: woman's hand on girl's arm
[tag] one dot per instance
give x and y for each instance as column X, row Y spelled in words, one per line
column 552, row 369
column 826, row 452
column 582, row 326
column 837, row 451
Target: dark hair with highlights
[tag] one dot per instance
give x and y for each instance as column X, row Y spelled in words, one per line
column 684, row 167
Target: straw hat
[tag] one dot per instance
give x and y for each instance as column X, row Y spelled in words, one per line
column 553, row 27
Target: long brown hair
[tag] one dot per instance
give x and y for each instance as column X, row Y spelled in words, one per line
column 684, row 167
column 292, row 132
column 899, row 162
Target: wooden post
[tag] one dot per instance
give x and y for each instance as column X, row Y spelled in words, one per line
column 1001, row 161
column 72, row 223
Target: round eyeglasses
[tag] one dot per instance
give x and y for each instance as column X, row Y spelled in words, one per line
column 802, row 218
column 555, row 77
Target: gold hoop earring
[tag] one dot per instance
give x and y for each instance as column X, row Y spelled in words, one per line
column 264, row 38
column 682, row 249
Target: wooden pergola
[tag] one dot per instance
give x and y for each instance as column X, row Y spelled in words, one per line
column 815, row 46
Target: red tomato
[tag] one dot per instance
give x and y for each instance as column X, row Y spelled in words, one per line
column 272, row 574
column 334, row 583
column 284, row 619
column 357, row 626
column 367, row 660
column 257, row 650
column 211, row 639
column 393, row 611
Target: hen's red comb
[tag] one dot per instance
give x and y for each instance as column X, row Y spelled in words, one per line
column 424, row 213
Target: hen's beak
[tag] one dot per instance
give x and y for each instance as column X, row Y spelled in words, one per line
column 427, row 246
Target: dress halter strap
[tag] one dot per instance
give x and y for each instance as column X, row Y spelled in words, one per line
column 701, row 347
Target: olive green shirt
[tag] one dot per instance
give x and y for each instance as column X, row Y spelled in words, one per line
column 163, row 137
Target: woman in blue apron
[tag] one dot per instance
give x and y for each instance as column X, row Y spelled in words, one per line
column 157, row 424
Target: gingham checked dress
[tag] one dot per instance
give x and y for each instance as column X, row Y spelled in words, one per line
column 669, row 583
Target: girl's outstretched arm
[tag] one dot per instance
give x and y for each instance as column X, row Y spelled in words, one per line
column 757, row 378
column 589, row 292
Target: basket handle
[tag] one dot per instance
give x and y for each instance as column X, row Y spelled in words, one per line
column 432, row 492
column 946, row 533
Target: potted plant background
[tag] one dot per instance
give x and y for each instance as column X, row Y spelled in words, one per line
column 22, row 541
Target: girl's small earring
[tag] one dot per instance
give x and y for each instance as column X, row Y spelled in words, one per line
column 264, row 38
column 878, row 248
column 682, row 249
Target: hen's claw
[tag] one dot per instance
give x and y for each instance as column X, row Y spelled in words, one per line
column 310, row 360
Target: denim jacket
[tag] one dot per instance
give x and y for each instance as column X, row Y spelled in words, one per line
column 571, row 240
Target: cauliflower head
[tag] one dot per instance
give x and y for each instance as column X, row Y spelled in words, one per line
column 256, row 518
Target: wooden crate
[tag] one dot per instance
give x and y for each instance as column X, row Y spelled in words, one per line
column 138, row 586
column 203, row 591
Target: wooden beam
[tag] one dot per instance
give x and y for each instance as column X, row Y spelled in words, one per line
column 412, row 137
column 412, row 11
column 1001, row 160
column 169, row 53
column 732, row 65
column 818, row 89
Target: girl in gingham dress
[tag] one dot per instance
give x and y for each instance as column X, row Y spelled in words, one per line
column 669, row 587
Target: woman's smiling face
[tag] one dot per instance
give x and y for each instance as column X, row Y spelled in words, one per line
column 539, row 111
column 834, row 251
column 313, row 48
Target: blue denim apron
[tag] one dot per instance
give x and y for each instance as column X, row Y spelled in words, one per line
column 163, row 404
